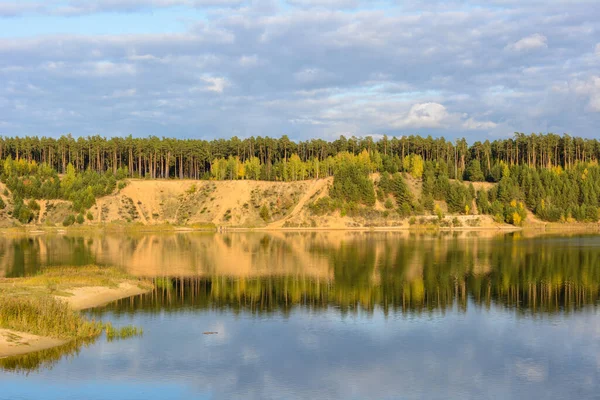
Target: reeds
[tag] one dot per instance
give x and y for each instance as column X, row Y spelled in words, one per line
column 124, row 332
column 45, row 316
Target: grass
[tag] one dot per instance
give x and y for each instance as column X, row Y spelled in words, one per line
column 29, row 304
column 45, row 316
column 124, row 332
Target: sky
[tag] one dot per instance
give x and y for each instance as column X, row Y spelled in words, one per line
column 305, row 68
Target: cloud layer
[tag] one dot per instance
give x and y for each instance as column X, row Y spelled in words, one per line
column 306, row 68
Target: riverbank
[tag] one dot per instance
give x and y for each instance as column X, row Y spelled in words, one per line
column 41, row 312
column 325, row 223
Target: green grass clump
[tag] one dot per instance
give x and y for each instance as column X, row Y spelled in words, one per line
column 124, row 332
column 45, row 316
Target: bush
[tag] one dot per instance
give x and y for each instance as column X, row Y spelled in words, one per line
column 439, row 212
column 33, row 205
column 25, row 215
column 90, row 216
column 322, row 206
column 79, row 219
column 264, row 213
column 405, row 210
column 69, row 220
column 389, row 204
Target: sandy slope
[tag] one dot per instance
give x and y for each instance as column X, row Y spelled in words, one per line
column 224, row 205
column 315, row 188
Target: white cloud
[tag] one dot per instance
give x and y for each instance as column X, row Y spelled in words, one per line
column 532, row 42
column 478, row 125
column 216, row 84
column 590, row 88
column 424, row 115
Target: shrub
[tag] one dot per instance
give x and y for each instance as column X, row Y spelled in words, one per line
column 264, row 213
column 439, row 213
column 33, row 205
column 69, row 220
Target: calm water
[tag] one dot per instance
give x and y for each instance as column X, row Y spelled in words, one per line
column 327, row 315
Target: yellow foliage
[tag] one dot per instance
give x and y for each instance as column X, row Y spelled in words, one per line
column 516, row 219
column 414, row 164
column 241, row 171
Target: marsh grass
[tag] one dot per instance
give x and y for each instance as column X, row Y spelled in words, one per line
column 45, row 316
column 29, row 304
column 124, row 332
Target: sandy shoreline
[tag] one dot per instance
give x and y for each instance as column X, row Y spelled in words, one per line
column 530, row 225
column 14, row 343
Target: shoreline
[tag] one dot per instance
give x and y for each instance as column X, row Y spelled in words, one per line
column 16, row 343
column 162, row 228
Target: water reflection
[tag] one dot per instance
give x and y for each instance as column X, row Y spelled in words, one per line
column 262, row 272
column 336, row 315
column 395, row 273
column 43, row 359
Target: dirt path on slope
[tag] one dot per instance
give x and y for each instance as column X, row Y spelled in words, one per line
column 312, row 190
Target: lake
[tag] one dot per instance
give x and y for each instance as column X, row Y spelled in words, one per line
column 331, row 315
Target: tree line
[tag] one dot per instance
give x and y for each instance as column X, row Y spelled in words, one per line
column 556, row 177
column 266, row 158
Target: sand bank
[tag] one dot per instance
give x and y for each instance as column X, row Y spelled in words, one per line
column 14, row 343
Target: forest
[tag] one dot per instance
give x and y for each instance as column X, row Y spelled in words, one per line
column 555, row 177
column 264, row 158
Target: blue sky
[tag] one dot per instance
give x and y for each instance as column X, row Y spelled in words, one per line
column 306, row 68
